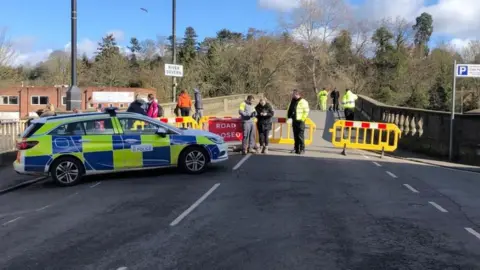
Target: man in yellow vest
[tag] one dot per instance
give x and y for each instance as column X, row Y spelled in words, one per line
column 297, row 111
column 348, row 102
column 322, row 99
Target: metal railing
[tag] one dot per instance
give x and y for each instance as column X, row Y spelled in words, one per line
column 9, row 131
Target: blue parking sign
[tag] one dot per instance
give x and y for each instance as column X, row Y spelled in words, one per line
column 462, row 70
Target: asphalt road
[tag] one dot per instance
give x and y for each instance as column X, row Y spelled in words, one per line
column 277, row 211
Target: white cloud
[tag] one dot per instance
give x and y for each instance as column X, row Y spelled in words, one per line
column 460, row 44
column 25, row 56
column 454, row 18
column 86, row 46
column 282, row 5
column 119, row 35
column 31, row 58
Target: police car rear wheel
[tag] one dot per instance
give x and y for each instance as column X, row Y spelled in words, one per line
column 193, row 160
column 66, row 171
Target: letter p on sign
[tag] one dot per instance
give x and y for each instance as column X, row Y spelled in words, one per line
column 462, row 71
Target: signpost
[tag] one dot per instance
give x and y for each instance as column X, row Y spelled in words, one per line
column 173, row 70
column 460, row 71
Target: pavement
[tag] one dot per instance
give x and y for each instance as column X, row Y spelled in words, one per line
column 321, row 210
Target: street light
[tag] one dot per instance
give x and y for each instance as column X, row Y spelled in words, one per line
column 74, row 98
column 174, row 47
column 174, row 43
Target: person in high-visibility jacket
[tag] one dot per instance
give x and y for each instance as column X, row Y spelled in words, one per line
column 348, row 102
column 322, row 99
column 247, row 113
column 297, row 111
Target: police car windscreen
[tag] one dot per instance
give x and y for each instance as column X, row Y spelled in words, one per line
column 30, row 130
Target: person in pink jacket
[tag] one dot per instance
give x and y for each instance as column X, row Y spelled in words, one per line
column 152, row 110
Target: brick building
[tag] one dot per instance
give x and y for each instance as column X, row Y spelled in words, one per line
column 19, row 102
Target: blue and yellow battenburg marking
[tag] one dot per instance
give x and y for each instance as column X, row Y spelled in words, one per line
column 113, row 152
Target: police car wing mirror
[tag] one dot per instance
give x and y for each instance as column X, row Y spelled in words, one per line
column 161, row 131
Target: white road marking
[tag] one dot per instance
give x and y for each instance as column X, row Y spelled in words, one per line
column 194, row 205
column 472, row 231
column 441, row 209
column 391, row 174
column 92, row 186
column 240, row 163
column 411, row 188
column 122, row 268
column 365, row 156
column 43, row 208
column 376, row 163
column 10, row 221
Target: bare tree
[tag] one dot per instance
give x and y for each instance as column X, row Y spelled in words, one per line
column 361, row 33
column 7, row 53
column 58, row 66
column 402, row 31
column 315, row 23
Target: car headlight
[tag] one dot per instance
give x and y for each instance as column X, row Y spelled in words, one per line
column 217, row 140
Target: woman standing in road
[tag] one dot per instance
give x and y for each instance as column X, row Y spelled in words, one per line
column 265, row 113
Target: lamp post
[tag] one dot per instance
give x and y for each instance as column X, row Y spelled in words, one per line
column 74, row 98
column 174, row 47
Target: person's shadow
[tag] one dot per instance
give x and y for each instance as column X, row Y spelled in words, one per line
column 330, row 119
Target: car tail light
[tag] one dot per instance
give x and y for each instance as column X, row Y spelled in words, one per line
column 26, row 145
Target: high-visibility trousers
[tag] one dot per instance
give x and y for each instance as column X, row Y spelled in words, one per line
column 323, row 103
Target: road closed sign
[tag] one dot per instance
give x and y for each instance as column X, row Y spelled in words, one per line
column 173, row 70
column 230, row 129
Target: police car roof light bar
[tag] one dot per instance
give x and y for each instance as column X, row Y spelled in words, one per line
column 111, row 111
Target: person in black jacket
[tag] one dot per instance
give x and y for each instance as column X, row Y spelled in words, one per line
column 265, row 113
column 137, row 107
column 335, row 95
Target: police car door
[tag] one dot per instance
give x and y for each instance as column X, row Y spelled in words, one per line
column 99, row 145
column 143, row 147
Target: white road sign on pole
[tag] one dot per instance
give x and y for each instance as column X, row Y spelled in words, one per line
column 173, row 70
column 467, row 71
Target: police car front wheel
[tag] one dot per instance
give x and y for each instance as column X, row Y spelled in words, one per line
column 193, row 160
column 66, row 171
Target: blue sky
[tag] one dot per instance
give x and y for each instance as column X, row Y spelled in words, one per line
column 48, row 22
column 37, row 27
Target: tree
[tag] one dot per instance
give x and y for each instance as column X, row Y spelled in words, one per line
column 134, row 48
column 424, row 30
column 58, row 68
column 314, row 23
column 342, row 47
column 188, row 49
column 7, row 52
column 110, row 65
column 8, row 75
column 226, row 36
column 107, row 48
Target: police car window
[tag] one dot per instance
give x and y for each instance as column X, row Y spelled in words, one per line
column 99, row 127
column 92, row 127
column 70, row 129
column 136, row 126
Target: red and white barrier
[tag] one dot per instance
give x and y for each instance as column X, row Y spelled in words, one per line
column 172, row 120
column 357, row 124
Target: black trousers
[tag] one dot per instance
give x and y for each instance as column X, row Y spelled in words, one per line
column 335, row 105
column 349, row 115
column 299, row 135
column 185, row 111
column 262, row 135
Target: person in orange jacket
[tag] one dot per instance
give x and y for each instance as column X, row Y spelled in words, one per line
column 184, row 103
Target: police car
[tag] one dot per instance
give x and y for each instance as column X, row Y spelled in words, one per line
column 67, row 147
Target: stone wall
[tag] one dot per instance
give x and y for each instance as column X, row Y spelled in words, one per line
column 426, row 131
